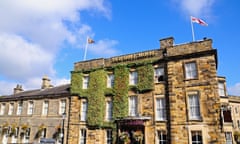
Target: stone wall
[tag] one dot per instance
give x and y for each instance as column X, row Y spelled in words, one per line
column 175, row 89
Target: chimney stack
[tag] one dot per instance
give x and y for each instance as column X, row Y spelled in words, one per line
column 17, row 89
column 166, row 42
column 46, row 83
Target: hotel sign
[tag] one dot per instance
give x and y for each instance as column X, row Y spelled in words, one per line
column 132, row 122
column 132, row 57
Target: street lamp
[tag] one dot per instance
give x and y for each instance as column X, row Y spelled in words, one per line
column 62, row 134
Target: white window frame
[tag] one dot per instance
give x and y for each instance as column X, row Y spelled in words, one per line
column 160, row 109
column 85, row 82
column 19, row 108
column 62, row 106
column 30, row 108
column 161, row 137
column 133, row 78
column 221, row 89
column 10, row 108
column 191, row 70
column 194, row 107
column 228, row 136
column 110, row 80
column 26, row 137
column 159, row 71
column 83, row 136
column 84, row 107
column 133, row 105
column 198, row 133
column 45, row 107
column 109, row 106
column 3, row 108
column 108, row 136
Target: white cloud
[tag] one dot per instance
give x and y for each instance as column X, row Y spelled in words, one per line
column 104, row 48
column 234, row 90
column 195, row 7
column 20, row 60
column 6, row 87
column 31, row 35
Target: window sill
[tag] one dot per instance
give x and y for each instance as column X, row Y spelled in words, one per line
column 160, row 121
column 189, row 79
column 196, row 119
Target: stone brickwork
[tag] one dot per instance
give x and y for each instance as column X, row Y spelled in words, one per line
column 52, row 121
column 175, row 88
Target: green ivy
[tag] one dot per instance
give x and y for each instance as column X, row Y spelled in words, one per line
column 96, row 98
column 120, row 99
column 97, row 91
column 145, row 78
column 76, row 82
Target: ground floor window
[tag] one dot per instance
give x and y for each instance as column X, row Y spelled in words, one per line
column 83, row 134
column 109, row 136
column 228, row 136
column 161, row 137
column 196, row 137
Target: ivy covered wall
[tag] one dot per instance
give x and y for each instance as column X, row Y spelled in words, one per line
column 120, row 98
column 96, row 98
column 97, row 91
column 145, row 78
column 76, row 82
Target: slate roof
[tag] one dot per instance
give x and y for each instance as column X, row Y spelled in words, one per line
column 62, row 90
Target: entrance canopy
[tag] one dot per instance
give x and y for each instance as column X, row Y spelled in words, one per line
column 132, row 121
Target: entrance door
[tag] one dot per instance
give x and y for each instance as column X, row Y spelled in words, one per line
column 135, row 133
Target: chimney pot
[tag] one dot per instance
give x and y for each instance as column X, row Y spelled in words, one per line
column 17, row 89
column 46, row 83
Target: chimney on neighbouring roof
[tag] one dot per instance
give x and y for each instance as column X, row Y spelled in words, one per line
column 46, row 83
column 17, row 89
column 166, row 42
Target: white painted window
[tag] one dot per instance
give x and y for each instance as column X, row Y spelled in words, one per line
column 85, row 82
column 108, row 110
column 83, row 134
column 228, row 136
column 45, row 108
column 109, row 136
column 221, row 89
column 11, row 108
column 158, row 74
column 2, row 110
column 190, row 70
column 62, row 106
column 19, row 108
column 133, row 104
column 197, row 137
column 161, row 137
column 160, row 109
column 26, row 136
column 30, row 108
column 194, row 107
column 133, row 78
column 84, row 111
column 110, row 80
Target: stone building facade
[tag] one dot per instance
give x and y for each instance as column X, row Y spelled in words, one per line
column 166, row 95
column 230, row 113
column 35, row 115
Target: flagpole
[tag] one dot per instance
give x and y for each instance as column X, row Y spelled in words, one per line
column 85, row 52
column 193, row 37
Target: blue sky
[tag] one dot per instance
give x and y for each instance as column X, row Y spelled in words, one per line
column 46, row 37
